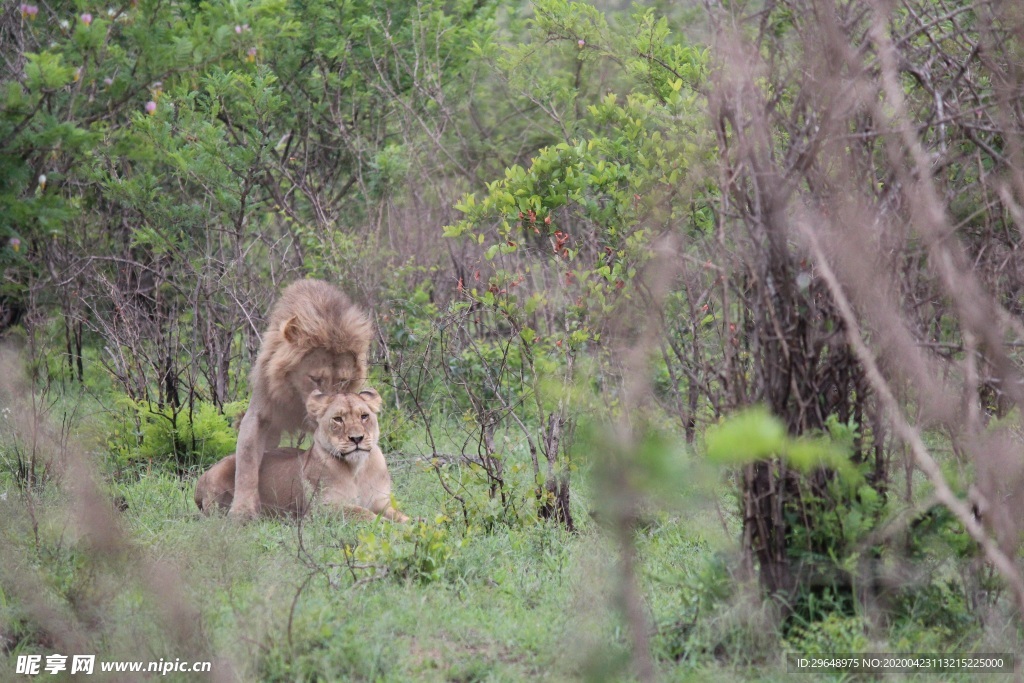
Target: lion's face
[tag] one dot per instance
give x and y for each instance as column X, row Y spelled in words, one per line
column 321, row 370
column 346, row 424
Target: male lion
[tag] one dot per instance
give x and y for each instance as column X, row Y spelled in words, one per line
column 344, row 467
column 316, row 340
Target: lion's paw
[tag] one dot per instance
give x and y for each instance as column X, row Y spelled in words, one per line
column 243, row 513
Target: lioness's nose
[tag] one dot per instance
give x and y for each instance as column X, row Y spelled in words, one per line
column 355, row 439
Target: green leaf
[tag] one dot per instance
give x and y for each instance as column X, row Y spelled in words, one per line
column 747, row 436
column 46, row 70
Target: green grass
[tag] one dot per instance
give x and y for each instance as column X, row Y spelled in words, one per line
column 327, row 600
column 520, row 603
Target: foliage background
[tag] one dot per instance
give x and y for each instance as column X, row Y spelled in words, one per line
column 705, row 317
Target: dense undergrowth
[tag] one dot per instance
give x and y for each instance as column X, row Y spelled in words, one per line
column 698, row 330
column 502, row 597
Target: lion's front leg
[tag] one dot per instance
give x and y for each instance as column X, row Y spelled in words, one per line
column 255, row 435
column 395, row 516
column 360, row 514
column 357, row 513
column 382, row 506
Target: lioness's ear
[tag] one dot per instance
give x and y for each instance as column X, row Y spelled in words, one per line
column 291, row 331
column 317, row 403
column 372, row 399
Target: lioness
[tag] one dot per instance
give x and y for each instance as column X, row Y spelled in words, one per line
column 316, row 339
column 344, row 467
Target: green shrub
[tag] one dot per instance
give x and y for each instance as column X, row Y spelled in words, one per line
column 418, row 551
column 833, row 634
column 176, row 441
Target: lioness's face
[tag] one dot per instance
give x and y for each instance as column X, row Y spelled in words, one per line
column 321, row 370
column 346, row 424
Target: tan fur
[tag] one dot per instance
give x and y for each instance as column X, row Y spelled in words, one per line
column 316, row 339
column 344, row 468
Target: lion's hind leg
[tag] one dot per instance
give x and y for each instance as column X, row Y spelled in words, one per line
column 216, row 487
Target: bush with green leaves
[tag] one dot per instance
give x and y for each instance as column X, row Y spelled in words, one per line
column 572, row 228
column 174, row 440
column 175, row 164
column 830, row 511
column 564, row 237
column 834, row 633
column 418, row 551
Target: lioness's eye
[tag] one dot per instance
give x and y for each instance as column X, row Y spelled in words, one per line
column 338, row 419
column 366, row 416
